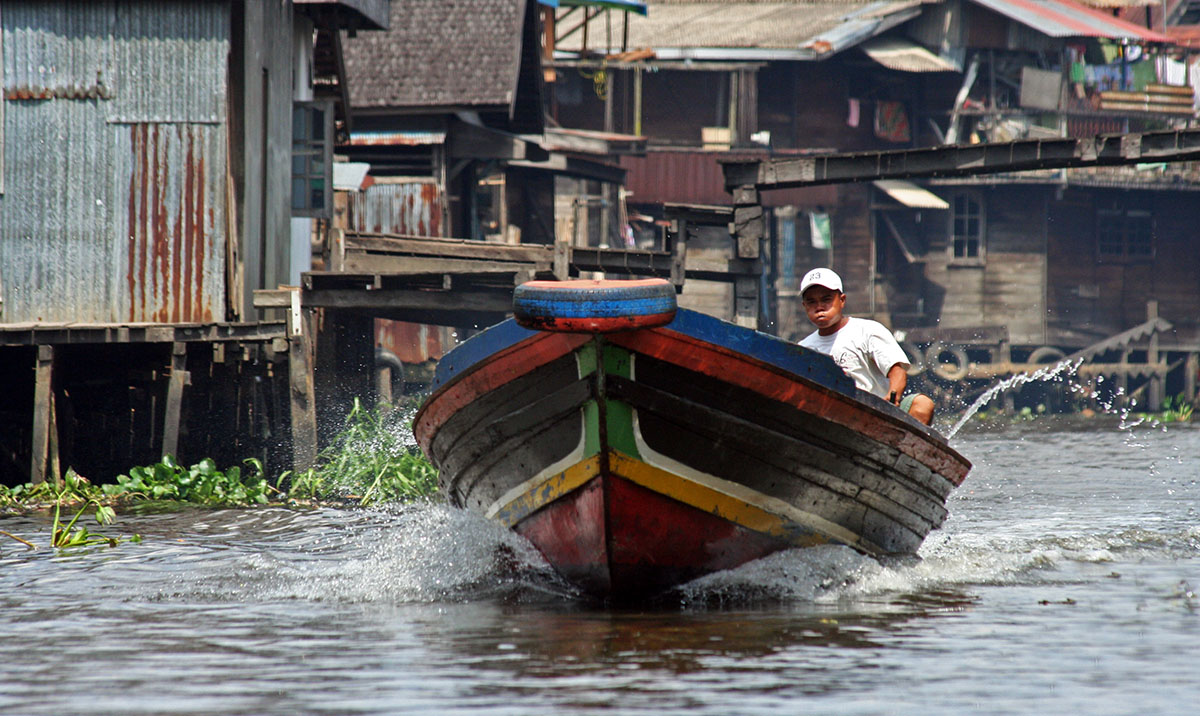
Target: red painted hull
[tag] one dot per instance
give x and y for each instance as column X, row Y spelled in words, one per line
column 623, row 542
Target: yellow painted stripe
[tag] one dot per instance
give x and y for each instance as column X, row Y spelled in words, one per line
column 544, row 492
column 738, row 504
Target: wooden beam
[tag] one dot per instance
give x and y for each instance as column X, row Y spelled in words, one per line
column 704, row 214
column 448, row 248
column 43, row 410
column 679, row 243
column 964, row 160
column 1189, row 376
column 179, row 377
column 471, row 141
column 402, row 265
column 301, row 395
column 745, row 302
column 1155, row 393
column 383, row 299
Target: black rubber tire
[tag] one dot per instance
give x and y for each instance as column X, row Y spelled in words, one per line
column 594, row 306
column 949, row 371
column 1046, row 354
column 916, row 358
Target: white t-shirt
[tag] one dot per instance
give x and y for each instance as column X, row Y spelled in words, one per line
column 864, row 349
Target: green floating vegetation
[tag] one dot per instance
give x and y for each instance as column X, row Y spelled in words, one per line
column 371, row 461
column 201, row 483
column 76, row 492
column 1176, row 409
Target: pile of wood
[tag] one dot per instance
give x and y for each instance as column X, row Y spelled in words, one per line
column 1158, row 99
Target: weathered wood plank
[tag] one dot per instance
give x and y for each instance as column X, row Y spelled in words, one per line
column 179, row 377
column 43, row 408
column 360, row 262
column 301, row 395
column 449, row 248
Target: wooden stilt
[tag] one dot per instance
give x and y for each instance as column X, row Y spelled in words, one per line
column 1154, row 395
column 303, row 403
column 679, row 252
column 1189, row 377
column 174, row 410
column 748, row 232
column 383, row 387
column 43, row 411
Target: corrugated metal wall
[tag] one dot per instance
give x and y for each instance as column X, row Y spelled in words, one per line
column 410, row 209
column 696, row 178
column 115, row 157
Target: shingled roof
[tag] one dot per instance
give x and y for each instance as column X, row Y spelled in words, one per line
column 445, row 54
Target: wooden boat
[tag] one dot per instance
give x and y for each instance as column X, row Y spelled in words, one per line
column 639, row 448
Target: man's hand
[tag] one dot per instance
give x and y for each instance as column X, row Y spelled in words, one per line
column 897, row 377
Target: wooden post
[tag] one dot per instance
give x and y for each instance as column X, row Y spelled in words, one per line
column 337, row 250
column 171, row 417
column 745, row 301
column 748, row 234
column 1190, row 369
column 1154, row 395
column 1008, row 399
column 300, row 381
column 1123, row 378
column 43, row 411
column 747, row 222
column 562, row 258
column 679, row 253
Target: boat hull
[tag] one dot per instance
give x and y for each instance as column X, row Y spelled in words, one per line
column 638, row 461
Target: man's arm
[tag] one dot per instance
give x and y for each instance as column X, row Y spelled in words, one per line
column 897, row 377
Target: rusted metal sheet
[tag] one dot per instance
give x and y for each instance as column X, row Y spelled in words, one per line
column 696, row 178
column 176, row 267
column 410, row 209
column 105, row 219
column 414, row 342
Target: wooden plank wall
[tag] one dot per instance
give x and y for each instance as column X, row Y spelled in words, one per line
column 1092, row 297
column 1175, row 272
column 1005, row 288
column 851, row 222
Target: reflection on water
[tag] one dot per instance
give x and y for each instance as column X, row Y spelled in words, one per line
column 1064, row 581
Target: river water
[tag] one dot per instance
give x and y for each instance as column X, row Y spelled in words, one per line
column 1065, row 581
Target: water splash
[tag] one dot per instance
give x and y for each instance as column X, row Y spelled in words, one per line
column 1049, row 373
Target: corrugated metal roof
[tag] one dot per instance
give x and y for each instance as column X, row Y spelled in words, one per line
column 696, row 177
column 1116, row 4
column 106, row 216
column 1063, row 18
column 745, row 30
column 904, row 55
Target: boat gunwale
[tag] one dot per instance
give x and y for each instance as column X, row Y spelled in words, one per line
column 468, row 382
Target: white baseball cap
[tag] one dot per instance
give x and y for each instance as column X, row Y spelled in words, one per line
column 821, row 277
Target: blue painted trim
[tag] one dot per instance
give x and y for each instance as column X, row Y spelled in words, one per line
column 478, row 348
column 553, row 308
column 608, row 301
column 789, row 356
column 786, row 355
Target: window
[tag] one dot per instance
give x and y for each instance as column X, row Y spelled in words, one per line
column 966, row 228
column 1124, row 233
column 312, row 159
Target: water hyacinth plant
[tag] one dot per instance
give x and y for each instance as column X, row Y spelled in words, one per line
column 201, row 483
column 75, row 492
column 373, row 460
